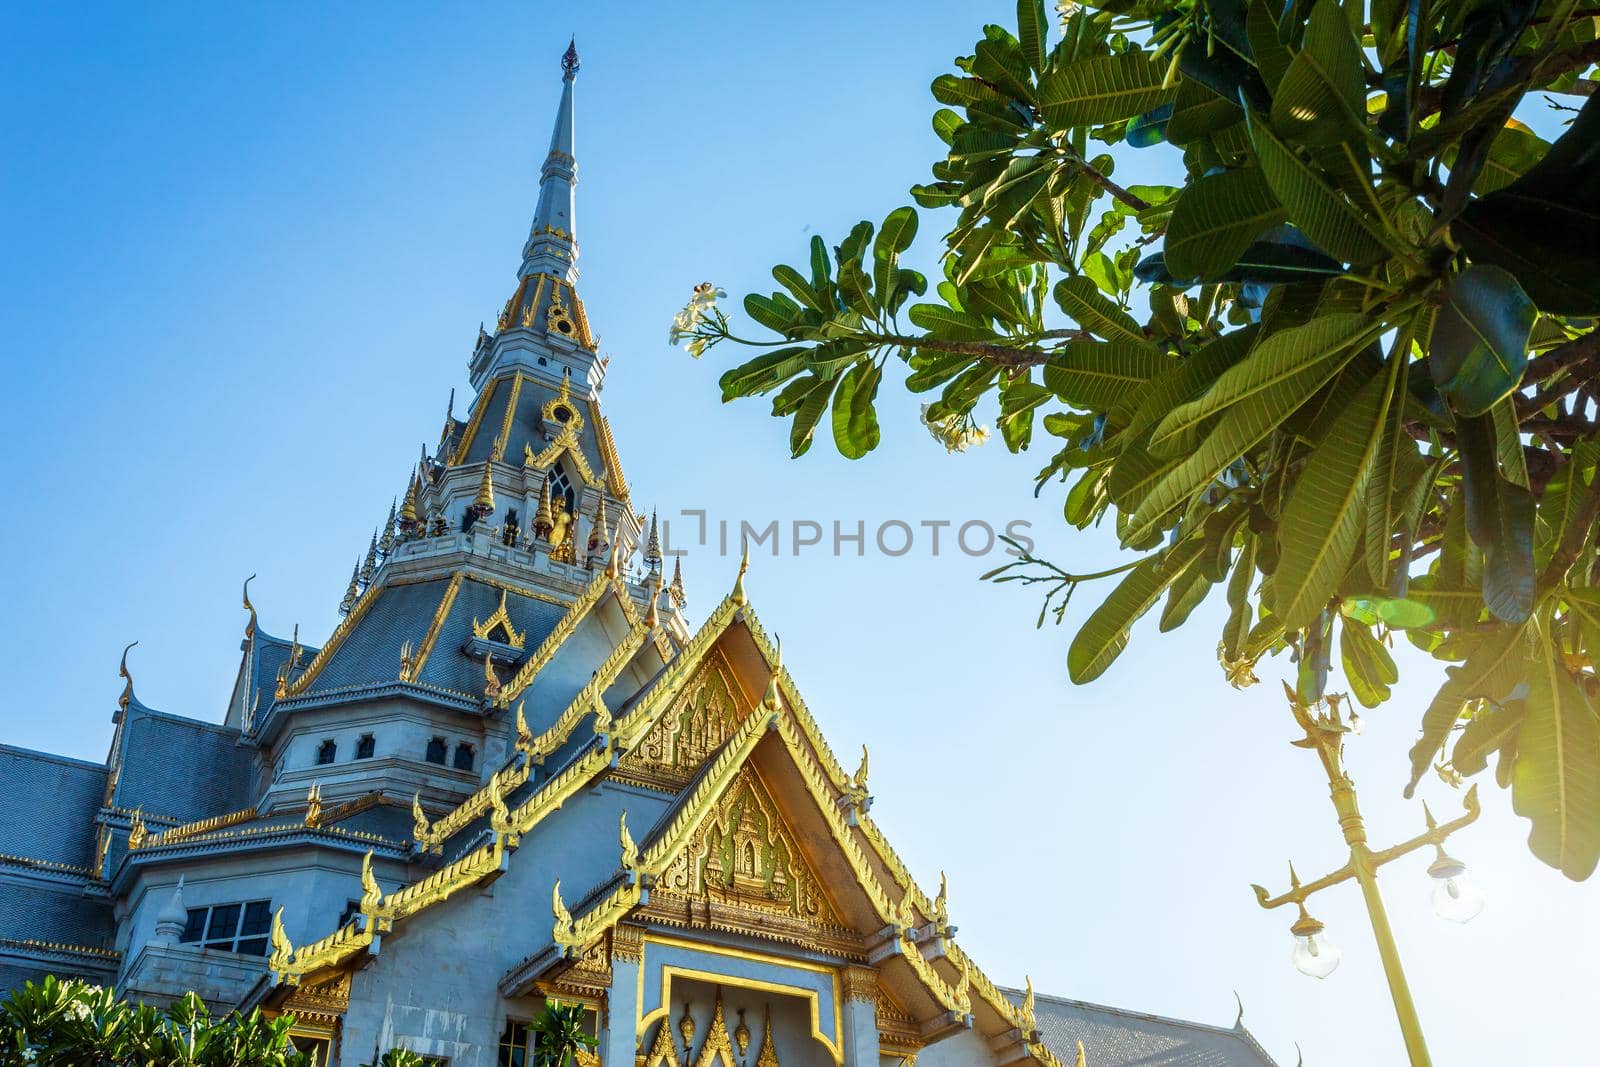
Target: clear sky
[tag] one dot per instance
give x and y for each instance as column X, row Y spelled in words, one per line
column 247, row 249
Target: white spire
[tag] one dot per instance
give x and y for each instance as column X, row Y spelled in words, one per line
column 552, row 246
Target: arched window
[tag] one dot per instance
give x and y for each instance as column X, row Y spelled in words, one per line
column 436, row 750
column 561, row 490
column 364, row 746
column 327, row 752
column 464, row 757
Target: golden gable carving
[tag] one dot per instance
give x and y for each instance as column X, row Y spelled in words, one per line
column 702, row 718
column 745, row 856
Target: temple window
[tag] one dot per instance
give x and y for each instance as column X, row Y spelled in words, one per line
column 436, row 750
column 561, row 491
column 365, row 744
column 240, row 928
column 513, row 1045
column 327, row 752
column 464, row 757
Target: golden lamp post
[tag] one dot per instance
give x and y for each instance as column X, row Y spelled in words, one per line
column 1454, row 897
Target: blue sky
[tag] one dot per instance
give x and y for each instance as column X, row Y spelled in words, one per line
column 247, row 252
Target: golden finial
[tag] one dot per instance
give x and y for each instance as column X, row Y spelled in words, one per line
column 371, row 893
column 136, row 832
column 122, row 670
column 408, row 506
column 369, row 566
column 280, row 688
column 565, row 395
column 491, row 680
column 563, row 917
column 249, row 627
column 630, row 850
column 294, row 648
column 774, row 696
column 499, row 814
column 1025, row 1014
column 544, row 519
column 483, row 503
column 352, row 592
column 614, row 564
column 524, row 735
column 686, row 1028
column 420, row 830
column 278, row 963
column 603, row 720
column 314, row 804
column 860, row 778
column 386, row 539
column 941, row 903
column 407, row 661
column 652, row 545
column 652, row 615
column 738, row 595
column 769, row 1052
column 599, row 531
column 676, row 588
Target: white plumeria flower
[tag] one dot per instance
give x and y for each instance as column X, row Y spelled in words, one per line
column 29, row 1055
column 956, row 432
column 697, row 310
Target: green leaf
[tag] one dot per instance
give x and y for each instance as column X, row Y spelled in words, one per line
column 899, row 229
column 950, row 324
column 1330, row 219
column 856, row 289
column 1197, row 111
column 1496, row 663
column 1032, row 30
column 1302, row 354
column 763, row 373
column 1104, row 633
column 1094, row 375
column 1556, row 783
column 777, row 313
column 1500, row 522
column 1545, row 227
column 1276, row 379
column 1322, row 522
column 796, row 283
column 1216, row 219
column 1186, row 594
column 1321, row 99
column 1188, row 376
column 808, row 414
column 1085, row 305
column 1093, row 92
column 1489, row 731
column 855, row 422
column 1368, row 667
column 1479, row 347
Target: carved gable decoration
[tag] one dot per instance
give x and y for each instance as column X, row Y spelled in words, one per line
column 699, row 721
column 744, row 856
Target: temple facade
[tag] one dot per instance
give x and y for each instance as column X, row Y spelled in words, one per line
column 516, row 773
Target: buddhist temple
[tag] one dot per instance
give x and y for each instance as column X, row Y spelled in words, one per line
column 516, row 772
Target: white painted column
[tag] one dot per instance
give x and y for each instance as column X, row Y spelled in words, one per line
column 860, row 1035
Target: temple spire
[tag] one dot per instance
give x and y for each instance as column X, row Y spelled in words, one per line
column 552, row 244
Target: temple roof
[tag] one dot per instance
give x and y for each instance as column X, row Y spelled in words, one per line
column 51, row 803
column 1115, row 1038
column 182, row 769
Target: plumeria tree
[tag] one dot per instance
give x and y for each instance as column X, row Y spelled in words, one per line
column 57, row 1023
column 1342, row 373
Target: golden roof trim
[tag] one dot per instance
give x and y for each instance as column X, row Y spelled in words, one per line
column 565, row 442
column 447, row 600
column 498, row 451
column 476, row 421
column 608, row 452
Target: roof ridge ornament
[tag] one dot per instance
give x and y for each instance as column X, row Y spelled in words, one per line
column 249, row 627
column 122, row 671
column 569, row 60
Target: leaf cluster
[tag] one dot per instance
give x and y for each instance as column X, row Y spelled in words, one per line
column 56, row 1023
column 1344, row 370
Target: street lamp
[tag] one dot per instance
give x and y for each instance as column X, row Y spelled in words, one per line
column 1454, row 897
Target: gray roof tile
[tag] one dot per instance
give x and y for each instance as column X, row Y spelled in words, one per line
column 183, row 769
column 1115, row 1038
column 51, row 805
